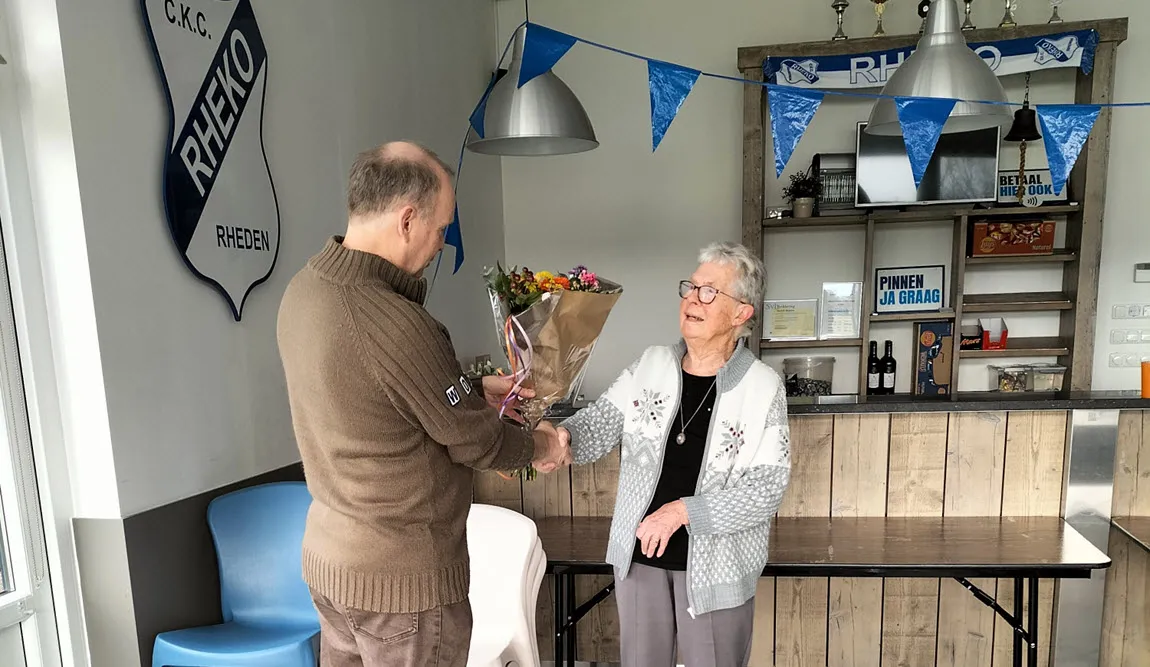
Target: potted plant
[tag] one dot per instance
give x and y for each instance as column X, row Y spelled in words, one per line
column 802, row 192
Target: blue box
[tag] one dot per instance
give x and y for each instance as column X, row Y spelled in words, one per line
column 933, row 359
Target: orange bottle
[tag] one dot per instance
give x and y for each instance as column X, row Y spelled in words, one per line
column 1146, row 378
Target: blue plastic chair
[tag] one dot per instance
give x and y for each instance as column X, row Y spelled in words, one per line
column 269, row 618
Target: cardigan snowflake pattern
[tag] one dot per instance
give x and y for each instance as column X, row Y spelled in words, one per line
column 745, row 469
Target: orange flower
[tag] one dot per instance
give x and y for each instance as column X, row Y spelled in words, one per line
column 563, row 282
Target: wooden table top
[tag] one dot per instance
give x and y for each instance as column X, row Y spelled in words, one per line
column 912, row 547
column 1137, row 527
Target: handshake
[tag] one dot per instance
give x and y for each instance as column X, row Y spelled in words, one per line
column 552, row 447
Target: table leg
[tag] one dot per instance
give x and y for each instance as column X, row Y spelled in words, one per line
column 572, row 633
column 560, row 617
column 1032, row 623
column 1018, row 617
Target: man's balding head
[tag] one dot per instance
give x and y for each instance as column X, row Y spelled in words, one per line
column 400, row 202
column 396, row 174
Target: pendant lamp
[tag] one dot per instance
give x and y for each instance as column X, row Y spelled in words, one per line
column 943, row 66
column 541, row 118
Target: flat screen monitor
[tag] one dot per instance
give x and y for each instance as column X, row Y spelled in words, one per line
column 964, row 169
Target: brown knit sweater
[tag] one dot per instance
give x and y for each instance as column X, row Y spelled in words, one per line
column 389, row 431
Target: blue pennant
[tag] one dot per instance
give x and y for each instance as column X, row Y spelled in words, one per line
column 1065, row 129
column 922, row 119
column 792, row 110
column 670, row 85
column 542, row 48
column 454, row 238
column 481, row 109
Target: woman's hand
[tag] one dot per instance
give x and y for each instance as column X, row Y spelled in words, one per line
column 495, row 388
column 656, row 529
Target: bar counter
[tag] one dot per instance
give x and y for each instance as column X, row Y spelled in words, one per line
column 982, row 401
column 987, row 455
column 996, row 401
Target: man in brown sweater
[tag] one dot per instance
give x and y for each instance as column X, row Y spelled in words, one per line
column 388, row 427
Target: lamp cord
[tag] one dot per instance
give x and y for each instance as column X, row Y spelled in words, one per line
column 526, row 10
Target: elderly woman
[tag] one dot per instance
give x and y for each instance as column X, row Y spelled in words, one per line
column 705, row 461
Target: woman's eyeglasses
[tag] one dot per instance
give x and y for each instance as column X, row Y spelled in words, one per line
column 707, row 294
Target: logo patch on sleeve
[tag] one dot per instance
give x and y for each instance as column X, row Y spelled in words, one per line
column 465, row 383
column 452, row 395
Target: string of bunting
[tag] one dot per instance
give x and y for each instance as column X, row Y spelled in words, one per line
column 1065, row 127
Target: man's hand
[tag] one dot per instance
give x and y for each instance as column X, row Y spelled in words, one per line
column 656, row 529
column 552, row 447
column 495, row 388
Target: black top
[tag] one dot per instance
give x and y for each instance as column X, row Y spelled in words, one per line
column 681, row 465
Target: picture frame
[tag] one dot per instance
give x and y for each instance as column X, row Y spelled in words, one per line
column 790, row 319
column 910, row 289
column 840, row 314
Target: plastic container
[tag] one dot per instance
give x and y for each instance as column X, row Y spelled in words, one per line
column 1146, row 377
column 1045, row 377
column 1010, row 378
column 808, row 376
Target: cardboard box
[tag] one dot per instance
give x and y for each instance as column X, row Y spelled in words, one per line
column 1017, row 237
column 934, row 349
column 994, row 333
column 971, row 337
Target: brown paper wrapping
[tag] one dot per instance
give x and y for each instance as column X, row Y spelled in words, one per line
column 563, row 329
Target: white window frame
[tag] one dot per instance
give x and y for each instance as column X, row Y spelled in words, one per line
column 48, row 608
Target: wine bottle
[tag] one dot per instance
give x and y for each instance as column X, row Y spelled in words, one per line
column 888, row 368
column 873, row 381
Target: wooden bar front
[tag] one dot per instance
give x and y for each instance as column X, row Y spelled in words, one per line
column 865, row 465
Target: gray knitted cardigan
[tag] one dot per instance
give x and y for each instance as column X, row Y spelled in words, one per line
column 744, row 474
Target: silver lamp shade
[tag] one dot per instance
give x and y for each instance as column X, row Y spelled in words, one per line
column 943, row 66
column 542, row 118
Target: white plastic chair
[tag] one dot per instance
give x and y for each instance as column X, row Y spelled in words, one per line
column 507, row 564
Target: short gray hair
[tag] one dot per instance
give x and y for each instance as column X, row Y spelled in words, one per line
column 750, row 275
column 383, row 178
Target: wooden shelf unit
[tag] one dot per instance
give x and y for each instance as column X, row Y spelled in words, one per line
column 1023, row 347
column 1076, row 303
column 802, row 344
column 1018, row 302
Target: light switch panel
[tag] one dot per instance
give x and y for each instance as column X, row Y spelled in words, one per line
column 1142, row 273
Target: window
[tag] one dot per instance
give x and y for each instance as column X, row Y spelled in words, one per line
column 27, row 620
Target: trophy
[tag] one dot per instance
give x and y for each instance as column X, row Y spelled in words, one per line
column 840, row 6
column 879, row 7
column 967, row 24
column 1055, row 18
column 1008, row 18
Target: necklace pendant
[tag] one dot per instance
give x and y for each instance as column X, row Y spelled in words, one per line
column 681, row 438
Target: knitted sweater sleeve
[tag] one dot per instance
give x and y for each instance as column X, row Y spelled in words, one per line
column 414, row 360
column 598, row 428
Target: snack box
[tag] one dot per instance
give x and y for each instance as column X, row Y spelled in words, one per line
column 971, row 337
column 1017, row 237
column 994, row 333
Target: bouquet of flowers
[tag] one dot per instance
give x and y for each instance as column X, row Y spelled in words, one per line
column 548, row 324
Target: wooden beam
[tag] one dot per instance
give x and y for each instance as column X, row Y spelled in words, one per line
column 753, row 185
column 1110, row 31
column 1088, row 183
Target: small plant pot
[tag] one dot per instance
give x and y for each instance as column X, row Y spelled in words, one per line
column 803, row 207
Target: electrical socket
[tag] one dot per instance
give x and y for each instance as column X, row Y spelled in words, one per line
column 1131, row 311
column 1122, row 360
column 1129, row 336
